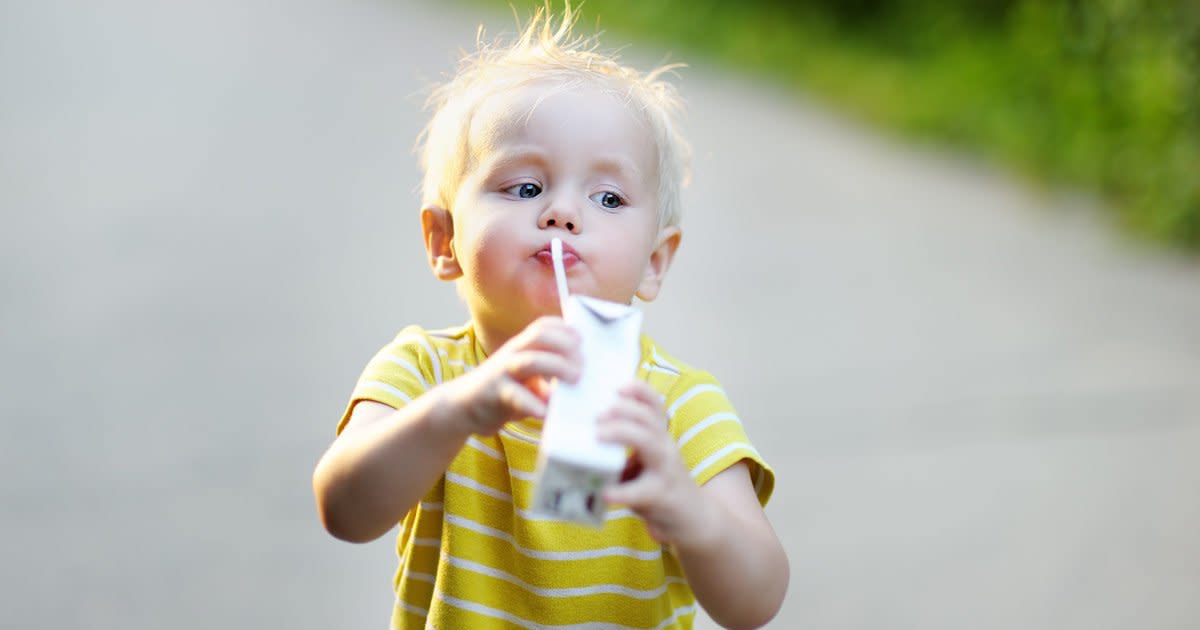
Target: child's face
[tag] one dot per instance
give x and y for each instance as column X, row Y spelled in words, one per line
column 577, row 165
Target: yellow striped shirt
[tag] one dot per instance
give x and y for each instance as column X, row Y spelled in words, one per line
column 473, row 556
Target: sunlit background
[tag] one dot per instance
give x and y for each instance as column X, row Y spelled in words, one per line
column 941, row 254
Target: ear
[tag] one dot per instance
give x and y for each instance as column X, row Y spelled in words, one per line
column 660, row 262
column 437, row 228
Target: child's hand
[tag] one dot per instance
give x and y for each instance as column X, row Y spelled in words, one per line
column 661, row 490
column 514, row 382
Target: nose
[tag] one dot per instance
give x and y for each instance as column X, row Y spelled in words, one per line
column 560, row 213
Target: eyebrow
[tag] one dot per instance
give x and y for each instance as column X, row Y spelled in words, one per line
column 515, row 157
column 616, row 166
column 610, row 165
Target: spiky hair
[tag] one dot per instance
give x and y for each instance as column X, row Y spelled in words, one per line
column 547, row 52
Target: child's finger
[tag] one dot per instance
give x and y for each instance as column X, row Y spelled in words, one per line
column 644, row 393
column 541, row 387
column 650, row 445
column 536, row 363
column 547, row 333
column 520, row 401
column 638, row 493
column 639, row 411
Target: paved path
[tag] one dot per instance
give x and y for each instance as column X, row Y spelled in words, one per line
column 984, row 409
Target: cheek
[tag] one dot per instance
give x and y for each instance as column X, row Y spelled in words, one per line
column 644, row 251
column 629, row 266
column 487, row 246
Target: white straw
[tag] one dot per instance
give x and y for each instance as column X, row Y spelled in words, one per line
column 560, row 274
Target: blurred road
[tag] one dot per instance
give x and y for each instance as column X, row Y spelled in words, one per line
column 983, row 407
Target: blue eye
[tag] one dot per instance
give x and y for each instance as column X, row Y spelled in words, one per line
column 524, row 191
column 609, row 200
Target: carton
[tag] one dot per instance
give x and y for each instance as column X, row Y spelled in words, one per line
column 573, row 466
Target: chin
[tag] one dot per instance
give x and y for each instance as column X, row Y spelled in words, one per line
column 544, row 300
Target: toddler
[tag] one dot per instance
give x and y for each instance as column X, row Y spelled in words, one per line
column 546, row 138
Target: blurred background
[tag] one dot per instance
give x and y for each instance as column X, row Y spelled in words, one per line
column 967, row 230
column 1103, row 95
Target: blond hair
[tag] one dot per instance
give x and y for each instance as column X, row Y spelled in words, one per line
column 547, row 52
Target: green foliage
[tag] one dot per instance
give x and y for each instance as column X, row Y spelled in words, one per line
column 1098, row 93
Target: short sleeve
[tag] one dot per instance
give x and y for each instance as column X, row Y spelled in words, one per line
column 397, row 374
column 710, row 435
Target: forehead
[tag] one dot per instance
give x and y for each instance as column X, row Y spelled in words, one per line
column 586, row 117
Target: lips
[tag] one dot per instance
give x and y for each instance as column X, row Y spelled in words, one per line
column 570, row 256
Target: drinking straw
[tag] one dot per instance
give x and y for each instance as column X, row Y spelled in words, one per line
column 560, row 274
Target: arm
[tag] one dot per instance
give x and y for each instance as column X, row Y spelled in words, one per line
column 733, row 560
column 735, row 564
column 386, row 459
